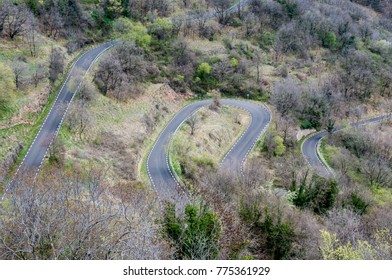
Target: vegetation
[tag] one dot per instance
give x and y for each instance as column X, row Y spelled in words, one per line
column 318, row 64
column 196, row 235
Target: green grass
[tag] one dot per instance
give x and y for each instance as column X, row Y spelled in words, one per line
column 382, row 195
column 328, row 152
column 28, row 132
column 300, row 142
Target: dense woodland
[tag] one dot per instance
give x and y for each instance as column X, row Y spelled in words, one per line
column 317, row 64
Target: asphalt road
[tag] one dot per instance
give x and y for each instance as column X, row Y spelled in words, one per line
column 168, row 189
column 309, row 146
column 49, row 129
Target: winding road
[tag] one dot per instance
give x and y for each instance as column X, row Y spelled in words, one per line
column 158, row 163
column 36, row 154
column 158, row 166
column 311, row 144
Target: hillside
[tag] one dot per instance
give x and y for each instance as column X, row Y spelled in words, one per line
column 311, row 65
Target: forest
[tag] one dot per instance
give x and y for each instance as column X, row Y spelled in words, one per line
column 314, row 65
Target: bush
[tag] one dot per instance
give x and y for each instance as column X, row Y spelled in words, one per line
column 161, row 29
column 278, row 234
column 329, row 40
column 203, row 71
column 359, row 205
column 318, row 194
column 279, row 147
column 196, row 235
column 132, row 31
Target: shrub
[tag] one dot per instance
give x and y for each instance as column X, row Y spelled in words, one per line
column 329, row 40
column 359, row 205
column 203, row 70
column 196, row 235
column 318, row 194
column 132, row 31
column 161, row 28
column 279, row 147
column 278, row 234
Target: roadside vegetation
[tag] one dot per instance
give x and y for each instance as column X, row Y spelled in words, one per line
column 318, row 64
column 202, row 141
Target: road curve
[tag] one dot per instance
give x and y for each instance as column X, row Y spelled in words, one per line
column 310, row 146
column 162, row 179
column 50, row 128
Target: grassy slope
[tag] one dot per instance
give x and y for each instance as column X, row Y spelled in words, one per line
column 118, row 136
column 216, row 132
column 25, row 133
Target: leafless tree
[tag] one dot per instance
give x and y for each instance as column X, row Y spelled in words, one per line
column 377, row 171
column 220, row 7
column 193, row 122
column 285, row 125
column 286, row 96
column 57, row 153
column 267, row 13
column 269, row 143
column 177, row 23
column 56, row 64
column 31, row 35
column 346, row 224
column 53, row 22
column 39, row 74
column 79, row 118
column 253, row 175
column 3, row 15
column 16, row 17
column 77, row 216
column 87, row 91
column 257, row 61
column 19, row 68
column 120, row 73
column 201, row 21
column 358, row 75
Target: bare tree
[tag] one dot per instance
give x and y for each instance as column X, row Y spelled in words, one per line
column 31, row 35
column 87, row 91
column 53, row 22
column 39, row 74
column 377, row 171
column 56, row 64
column 177, row 23
column 79, row 118
column 220, row 7
column 77, row 216
column 19, row 68
column 286, row 96
column 3, row 14
column 16, row 17
column 257, row 61
column 193, row 122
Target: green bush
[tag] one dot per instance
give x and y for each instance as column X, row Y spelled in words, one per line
column 328, row 40
column 266, row 40
column 318, row 194
column 196, row 235
column 132, row 31
column 203, row 71
column 278, row 235
column 358, row 204
column 203, row 80
column 279, row 147
column 161, row 29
